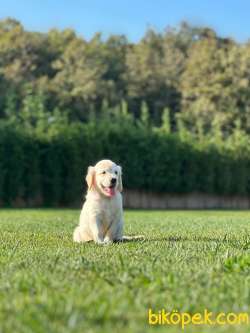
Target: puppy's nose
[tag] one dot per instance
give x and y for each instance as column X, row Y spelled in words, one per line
column 113, row 181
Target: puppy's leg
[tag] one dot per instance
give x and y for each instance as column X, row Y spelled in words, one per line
column 80, row 235
column 96, row 231
column 114, row 233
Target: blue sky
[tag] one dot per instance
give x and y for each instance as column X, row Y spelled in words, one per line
column 130, row 17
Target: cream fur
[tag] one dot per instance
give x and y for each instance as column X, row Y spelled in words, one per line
column 101, row 218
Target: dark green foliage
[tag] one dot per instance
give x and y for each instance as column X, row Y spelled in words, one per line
column 172, row 109
column 190, row 71
column 38, row 170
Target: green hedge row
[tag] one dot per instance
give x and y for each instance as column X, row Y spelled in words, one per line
column 51, row 171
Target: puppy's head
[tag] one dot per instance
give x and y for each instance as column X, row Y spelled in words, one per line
column 105, row 177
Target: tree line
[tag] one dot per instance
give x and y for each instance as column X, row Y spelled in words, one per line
column 173, row 109
column 198, row 76
column 49, row 170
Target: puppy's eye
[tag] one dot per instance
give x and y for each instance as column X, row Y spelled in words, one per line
column 116, row 172
column 103, row 173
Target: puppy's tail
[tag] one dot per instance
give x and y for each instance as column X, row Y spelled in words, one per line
column 132, row 238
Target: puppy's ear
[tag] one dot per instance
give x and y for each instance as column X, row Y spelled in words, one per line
column 90, row 178
column 120, row 186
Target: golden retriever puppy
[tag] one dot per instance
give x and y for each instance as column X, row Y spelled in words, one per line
column 101, row 218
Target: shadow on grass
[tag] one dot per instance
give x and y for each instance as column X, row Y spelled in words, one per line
column 173, row 239
column 222, row 240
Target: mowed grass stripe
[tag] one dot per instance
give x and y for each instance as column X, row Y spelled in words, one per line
column 189, row 261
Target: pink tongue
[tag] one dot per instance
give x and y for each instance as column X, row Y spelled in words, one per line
column 110, row 191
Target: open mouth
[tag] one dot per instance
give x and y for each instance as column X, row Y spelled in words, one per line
column 109, row 190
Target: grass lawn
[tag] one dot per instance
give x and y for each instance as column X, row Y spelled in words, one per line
column 189, row 261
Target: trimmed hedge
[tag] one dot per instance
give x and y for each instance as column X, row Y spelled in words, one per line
column 40, row 171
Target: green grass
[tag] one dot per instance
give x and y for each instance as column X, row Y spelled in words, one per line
column 189, row 261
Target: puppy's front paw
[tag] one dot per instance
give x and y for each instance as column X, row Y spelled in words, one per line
column 104, row 241
column 107, row 240
column 99, row 241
